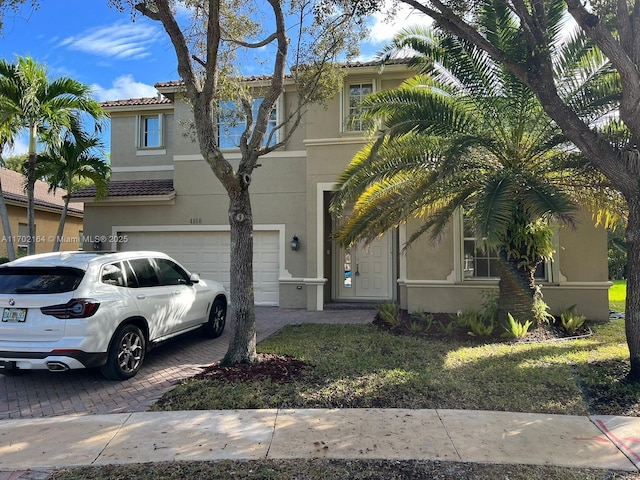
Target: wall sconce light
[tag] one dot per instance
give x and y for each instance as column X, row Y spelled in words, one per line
column 97, row 245
column 295, row 243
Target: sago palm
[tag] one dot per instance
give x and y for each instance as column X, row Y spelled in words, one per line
column 466, row 135
column 41, row 106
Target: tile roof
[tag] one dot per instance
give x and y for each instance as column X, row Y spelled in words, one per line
column 157, row 100
column 131, row 188
column 253, row 78
column 13, row 189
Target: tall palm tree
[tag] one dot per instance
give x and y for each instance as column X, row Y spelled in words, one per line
column 465, row 134
column 8, row 131
column 69, row 165
column 41, row 106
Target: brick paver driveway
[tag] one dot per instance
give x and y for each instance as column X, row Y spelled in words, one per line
column 44, row 394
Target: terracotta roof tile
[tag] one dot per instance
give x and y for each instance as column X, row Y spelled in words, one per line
column 375, row 63
column 159, row 100
column 131, row 188
column 13, row 189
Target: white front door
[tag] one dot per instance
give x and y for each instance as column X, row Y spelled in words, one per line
column 364, row 271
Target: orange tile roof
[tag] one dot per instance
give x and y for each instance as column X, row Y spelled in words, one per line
column 13, row 189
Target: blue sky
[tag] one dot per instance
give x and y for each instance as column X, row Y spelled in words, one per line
column 99, row 46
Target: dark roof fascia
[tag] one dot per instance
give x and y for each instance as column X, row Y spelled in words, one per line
column 21, row 201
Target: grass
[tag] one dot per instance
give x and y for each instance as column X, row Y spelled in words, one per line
column 618, row 295
column 362, row 366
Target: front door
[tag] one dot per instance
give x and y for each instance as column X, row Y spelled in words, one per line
column 364, row 271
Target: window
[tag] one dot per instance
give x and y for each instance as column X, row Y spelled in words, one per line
column 479, row 261
column 356, row 93
column 145, row 272
column 113, row 275
column 171, row 273
column 39, row 280
column 232, row 122
column 150, row 131
column 23, row 238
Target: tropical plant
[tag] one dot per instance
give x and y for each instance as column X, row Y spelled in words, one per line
column 571, row 320
column 69, row 165
column 389, row 312
column 466, row 135
column 516, row 329
column 8, row 131
column 41, row 107
column 424, row 320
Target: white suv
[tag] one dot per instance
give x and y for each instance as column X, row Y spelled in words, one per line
column 71, row 310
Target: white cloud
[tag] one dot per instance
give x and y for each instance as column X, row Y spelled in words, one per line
column 122, row 40
column 385, row 26
column 122, row 88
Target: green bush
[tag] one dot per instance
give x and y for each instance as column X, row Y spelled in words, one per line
column 389, row 312
column 570, row 319
column 515, row 328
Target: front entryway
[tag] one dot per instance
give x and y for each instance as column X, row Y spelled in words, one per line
column 363, row 272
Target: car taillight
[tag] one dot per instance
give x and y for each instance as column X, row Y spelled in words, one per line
column 76, row 308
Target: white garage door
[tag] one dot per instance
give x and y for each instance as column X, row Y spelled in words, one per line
column 207, row 253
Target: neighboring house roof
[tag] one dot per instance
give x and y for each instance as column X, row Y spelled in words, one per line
column 13, row 190
column 131, row 188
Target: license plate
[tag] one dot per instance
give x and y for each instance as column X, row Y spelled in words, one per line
column 14, row 315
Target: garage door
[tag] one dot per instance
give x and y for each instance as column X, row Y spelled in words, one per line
column 207, row 253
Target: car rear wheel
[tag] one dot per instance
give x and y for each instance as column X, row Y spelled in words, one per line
column 126, row 353
column 217, row 318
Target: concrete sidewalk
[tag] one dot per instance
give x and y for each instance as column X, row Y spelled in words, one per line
column 452, row 435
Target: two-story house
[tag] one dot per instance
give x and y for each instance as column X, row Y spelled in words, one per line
column 163, row 196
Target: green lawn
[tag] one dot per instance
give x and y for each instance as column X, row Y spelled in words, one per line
column 362, row 366
column 617, row 295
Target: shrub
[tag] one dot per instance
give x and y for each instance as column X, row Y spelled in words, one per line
column 515, row 328
column 570, row 319
column 389, row 312
column 423, row 321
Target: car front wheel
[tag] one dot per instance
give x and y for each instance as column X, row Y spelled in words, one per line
column 126, row 354
column 217, row 318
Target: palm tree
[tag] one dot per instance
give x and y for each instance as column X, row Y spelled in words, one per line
column 8, row 131
column 40, row 106
column 466, row 135
column 69, row 165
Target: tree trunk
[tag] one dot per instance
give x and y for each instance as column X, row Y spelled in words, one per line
column 63, row 219
column 242, row 346
column 517, row 292
column 31, row 183
column 632, row 310
column 6, row 227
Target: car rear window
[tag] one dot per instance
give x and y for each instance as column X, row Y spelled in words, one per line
column 38, row 280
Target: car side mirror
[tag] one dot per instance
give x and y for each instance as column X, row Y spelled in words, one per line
column 194, row 278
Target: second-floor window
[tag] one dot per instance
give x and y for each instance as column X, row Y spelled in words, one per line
column 232, row 122
column 150, row 131
column 355, row 94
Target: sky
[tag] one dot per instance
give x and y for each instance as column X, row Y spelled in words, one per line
column 120, row 58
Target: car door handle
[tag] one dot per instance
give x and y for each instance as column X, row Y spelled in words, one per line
column 141, row 297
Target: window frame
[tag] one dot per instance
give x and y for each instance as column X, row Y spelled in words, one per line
column 141, row 132
column 236, row 130
column 346, row 116
column 550, row 267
